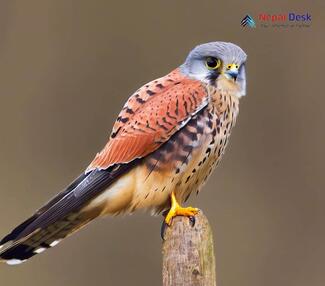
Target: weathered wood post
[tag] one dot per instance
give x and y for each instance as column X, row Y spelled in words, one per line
column 188, row 255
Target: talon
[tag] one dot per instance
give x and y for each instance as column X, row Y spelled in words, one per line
column 177, row 210
column 164, row 213
column 163, row 228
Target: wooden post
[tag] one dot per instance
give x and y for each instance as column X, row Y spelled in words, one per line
column 188, row 255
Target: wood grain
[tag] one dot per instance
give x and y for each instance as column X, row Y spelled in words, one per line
column 188, row 254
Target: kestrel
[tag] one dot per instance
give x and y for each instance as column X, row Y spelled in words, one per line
column 166, row 141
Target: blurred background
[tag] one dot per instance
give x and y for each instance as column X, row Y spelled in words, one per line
column 67, row 67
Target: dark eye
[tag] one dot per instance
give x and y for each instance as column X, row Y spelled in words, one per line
column 212, row 63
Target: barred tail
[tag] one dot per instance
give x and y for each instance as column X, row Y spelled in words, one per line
column 60, row 217
column 17, row 251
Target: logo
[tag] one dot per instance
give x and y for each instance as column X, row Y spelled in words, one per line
column 248, row 21
column 280, row 20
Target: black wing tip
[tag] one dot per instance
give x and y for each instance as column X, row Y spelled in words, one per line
column 18, row 252
column 14, row 234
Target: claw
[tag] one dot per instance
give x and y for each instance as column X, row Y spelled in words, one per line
column 163, row 228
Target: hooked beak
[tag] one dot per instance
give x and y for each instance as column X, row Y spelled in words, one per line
column 232, row 71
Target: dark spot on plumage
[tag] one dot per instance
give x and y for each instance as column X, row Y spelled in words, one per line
column 187, row 197
column 146, row 195
column 170, row 116
column 149, row 127
column 113, row 135
column 177, row 170
column 159, row 85
column 163, row 188
column 214, row 132
column 150, row 164
column 194, row 97
column 170, row 80
column 150, row 92
column 157, row 156
column 194, row 170
column 200, row 163
column 129, row 110
column 218, row 121
column 218, row 129
column 161, row 126
column 185, row 106
column 199, row 129
column 224, row 132
column 165, row 120
column 136, row 95
column 192, row 122
column 124, row 119
column 210, row 124
column 140, row 100
column 208, row 150
column 204, row 159
column 176, row 109
column 219, row 152
column 190, row 135
column 187, row 148
column 187, row 179
column 191, row 103
column 169, row 146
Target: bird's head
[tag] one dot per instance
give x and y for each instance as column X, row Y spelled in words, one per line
column 219, row 64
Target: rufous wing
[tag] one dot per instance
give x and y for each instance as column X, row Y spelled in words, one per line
column 150, row 117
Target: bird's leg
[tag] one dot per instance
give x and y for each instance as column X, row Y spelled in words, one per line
column 177, row 210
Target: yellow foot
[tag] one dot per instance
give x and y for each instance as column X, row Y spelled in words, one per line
column 177, row 210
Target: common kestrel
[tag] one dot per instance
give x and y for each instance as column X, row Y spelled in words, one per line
column 166, row 141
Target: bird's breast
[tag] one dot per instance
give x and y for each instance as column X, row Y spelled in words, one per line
column 187, row 159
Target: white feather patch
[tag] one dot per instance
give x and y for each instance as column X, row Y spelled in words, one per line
column 14, row 261
column 55, row 242
column 39, row 250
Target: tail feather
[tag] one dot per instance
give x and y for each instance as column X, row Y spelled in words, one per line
column 63, row 215
column 16, row 252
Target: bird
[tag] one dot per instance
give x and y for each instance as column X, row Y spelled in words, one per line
column 169, row 136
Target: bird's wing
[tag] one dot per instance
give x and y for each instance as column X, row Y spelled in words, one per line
column 150, row 117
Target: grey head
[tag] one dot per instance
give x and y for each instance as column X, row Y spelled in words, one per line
column 208, row 62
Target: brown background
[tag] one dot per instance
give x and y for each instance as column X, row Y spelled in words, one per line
column 66, row 68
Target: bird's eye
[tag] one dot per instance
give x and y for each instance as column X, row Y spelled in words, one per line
column 212, row 63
